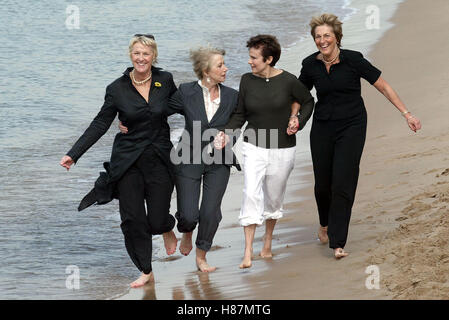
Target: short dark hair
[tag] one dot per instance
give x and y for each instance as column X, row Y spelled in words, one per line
column 269, row 44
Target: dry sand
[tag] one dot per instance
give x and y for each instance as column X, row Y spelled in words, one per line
column 399, row 221
column 404, row 189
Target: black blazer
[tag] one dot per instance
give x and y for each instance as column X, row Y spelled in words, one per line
column 147, row 122
column 147, row 125
column 338, row 92
column 189, row 102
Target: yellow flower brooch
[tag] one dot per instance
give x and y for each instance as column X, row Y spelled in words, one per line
column 158, row 84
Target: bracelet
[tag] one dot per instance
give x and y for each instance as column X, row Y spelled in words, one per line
column 405, row 112
column 293, row 117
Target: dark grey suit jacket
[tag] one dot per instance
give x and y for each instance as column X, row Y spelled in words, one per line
column 189, row 102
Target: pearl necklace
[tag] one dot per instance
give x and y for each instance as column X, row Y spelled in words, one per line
column 140, row 82
column 329, row 62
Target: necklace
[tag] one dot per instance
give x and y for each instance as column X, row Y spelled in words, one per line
column 140, row 82
column 335, row 58
column 267, row 79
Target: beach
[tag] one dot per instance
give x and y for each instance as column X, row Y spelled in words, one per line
column 398, row 245
column 397, row 242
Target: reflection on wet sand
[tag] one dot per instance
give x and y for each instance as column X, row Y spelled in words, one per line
column 197, row 287
column 177, row 277
column 149, row 291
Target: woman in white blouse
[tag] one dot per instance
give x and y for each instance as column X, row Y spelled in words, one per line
column 206, row 104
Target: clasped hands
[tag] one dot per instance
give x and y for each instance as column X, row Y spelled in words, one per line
column 221, row 139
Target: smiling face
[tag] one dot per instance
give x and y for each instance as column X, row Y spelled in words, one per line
column 218, row 69
column 258, row 66
column 325, row 40
column 142, row 58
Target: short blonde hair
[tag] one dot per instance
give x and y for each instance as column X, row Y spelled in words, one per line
column 146, row 42
column 330, row 20
column 201, row 59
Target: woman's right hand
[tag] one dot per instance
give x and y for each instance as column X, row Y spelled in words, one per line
column 293, row 125
column 413, row 123
column 122, row 128
column 220, row 141
column 66, row 162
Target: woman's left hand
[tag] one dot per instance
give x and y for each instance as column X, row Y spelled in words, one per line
column 293, row 126
column 413, row 123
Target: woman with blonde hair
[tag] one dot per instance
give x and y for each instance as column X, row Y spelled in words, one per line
column 139, row 170
column 339, row 124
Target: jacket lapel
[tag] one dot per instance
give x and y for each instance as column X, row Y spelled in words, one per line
column 198, row 103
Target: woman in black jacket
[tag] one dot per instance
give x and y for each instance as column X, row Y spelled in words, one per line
column 140, row 169
column 339, row 125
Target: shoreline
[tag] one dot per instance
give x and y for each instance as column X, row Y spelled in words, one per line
column 401, row 196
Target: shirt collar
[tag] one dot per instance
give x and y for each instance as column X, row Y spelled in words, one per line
column 207, row 90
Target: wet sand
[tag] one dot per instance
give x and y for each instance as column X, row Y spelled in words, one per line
column 400, row 218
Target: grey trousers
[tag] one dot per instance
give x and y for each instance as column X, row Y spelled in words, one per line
column 206, row 215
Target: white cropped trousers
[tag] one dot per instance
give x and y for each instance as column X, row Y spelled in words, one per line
column 265, row 179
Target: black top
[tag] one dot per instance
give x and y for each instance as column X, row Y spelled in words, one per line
column 267, row 105
column 147, row 122
column 339, row 91
column 189, row 101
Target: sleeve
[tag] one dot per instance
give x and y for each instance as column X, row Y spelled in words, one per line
column 304, row 76
column 365, row 69
column 172, row 85
column 175, row 104
column 238, row 116
column 96, row 129
column 305, row 99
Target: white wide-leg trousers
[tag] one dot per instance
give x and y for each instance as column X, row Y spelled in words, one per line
column 265, row 179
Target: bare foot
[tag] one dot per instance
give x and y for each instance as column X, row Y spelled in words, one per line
column 143, row 279
column 340, row 253
column 186, row 243
column 322, row 235
column 170, row 242
column 266, row 250
column 246, row 262
column 203, row 266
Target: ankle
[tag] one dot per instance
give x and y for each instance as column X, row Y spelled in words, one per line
column 187, row 235
column 268, row 237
